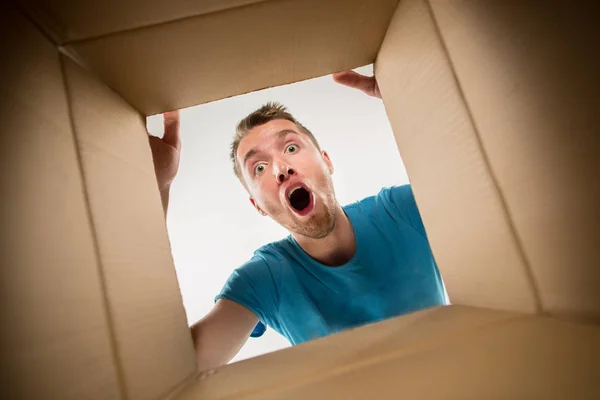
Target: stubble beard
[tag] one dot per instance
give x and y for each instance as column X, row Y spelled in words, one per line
column 317, row 226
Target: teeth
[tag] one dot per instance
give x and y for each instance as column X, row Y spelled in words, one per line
column 293, row 190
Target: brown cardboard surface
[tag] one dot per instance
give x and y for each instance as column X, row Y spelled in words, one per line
column 301, row 364
column 54, row 341
column 521, row 359
column 153, row 339
column 446, row 352
column 531, row 79
column 471, row 235
column 209, row 57
column 76, row 20
column 483, row 97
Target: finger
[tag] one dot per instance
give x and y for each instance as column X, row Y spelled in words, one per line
column 171, row 136
column 357, row 81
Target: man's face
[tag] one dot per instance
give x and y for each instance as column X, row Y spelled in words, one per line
column 288, row 178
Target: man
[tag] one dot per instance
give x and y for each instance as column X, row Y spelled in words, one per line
column 340, row 267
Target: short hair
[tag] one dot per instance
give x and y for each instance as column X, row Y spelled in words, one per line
column 269, row 112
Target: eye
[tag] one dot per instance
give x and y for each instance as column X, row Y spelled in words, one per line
column 292, row 148
column 259, row 168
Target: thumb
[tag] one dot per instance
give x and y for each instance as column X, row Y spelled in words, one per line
column 171, row 136
column 355, row 80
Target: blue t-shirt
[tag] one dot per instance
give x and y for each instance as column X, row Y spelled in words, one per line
column 393, row 272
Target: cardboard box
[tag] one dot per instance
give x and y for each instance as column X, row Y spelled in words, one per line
column 493, row 105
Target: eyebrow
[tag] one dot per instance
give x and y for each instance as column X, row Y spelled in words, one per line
column 280, row 135
column 285, row 132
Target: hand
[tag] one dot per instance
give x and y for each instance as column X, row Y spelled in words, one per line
column 367, row 84
column 165, row 151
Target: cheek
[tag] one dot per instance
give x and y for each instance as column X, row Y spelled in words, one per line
column 263, row 192
column 307, row 164
column 316, row 168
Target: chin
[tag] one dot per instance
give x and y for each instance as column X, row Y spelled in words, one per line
column 317, row 227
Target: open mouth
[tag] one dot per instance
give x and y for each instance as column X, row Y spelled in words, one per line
column 300, row 200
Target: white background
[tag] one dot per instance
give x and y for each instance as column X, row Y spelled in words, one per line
column 212, row 226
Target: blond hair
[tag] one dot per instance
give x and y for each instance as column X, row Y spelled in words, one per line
column 269, row 112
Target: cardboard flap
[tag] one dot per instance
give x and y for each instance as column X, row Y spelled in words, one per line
column 530, row 78
column 355, row 349
column 209, row 57
column 55, row 341
column 444, row 352
column 530, row 358
column 494, row 111
column 472, row 238
column 74, row 20
column 153, row 341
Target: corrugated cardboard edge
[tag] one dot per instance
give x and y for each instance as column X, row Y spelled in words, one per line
column 50, row 26
column 530, row 357
column 413, row 46
column 55, row 33
column 198, row 72
column 529, row 78
column 114, row 344
column 138, row 91
column 58, row 344
column 47, row 25
column 147, row 322
column 367, row 358
column 510, row 223
column 140, row 27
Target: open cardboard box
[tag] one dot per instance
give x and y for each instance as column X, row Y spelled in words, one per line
column 494, row 107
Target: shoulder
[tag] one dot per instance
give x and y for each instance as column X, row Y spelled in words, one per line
column 267, row 264
column 254, row 266
column 396, row 203
column 397, row 194
column 401, row 201
column 255, row 285
column 261, row 267
column 398, row 199
column 391, row 199
column 274, row 253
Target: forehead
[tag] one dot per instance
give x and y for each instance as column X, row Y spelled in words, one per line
column 262, row 136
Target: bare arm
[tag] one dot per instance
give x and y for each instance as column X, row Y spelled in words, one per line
column 366, row 84
column 221, row 333
column 165, row 154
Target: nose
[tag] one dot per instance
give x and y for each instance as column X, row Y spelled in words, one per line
column 284, row 173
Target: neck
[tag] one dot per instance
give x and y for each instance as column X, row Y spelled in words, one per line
column 335, row 249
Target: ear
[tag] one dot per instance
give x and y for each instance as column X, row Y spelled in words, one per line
column 327, row 161
column 260, row 211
